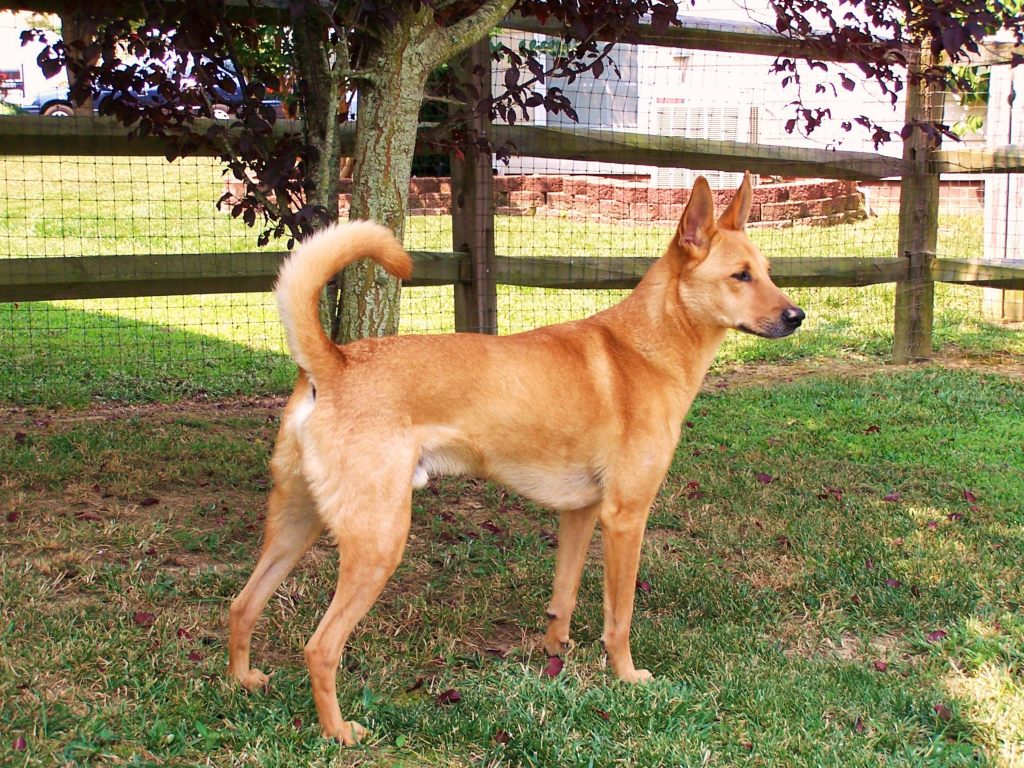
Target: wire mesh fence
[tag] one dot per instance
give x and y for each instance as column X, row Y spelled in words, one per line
column 547, row 205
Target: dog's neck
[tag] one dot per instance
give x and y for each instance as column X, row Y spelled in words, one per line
column 664, row 330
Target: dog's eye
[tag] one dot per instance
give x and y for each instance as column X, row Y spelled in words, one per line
column 743, row 277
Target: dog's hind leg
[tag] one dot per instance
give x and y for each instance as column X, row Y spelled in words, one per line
column 575, row 530
column 371, row 533
column 291, row 528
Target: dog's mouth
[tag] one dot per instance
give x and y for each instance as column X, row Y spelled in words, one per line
column 768, row 331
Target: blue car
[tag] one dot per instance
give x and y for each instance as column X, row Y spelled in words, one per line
column 56, row 102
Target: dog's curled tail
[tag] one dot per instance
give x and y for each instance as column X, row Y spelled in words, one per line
column 315, row 261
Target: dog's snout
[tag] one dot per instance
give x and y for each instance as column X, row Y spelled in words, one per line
column 793, row 316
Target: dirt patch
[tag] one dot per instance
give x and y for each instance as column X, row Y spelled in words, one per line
column 37, row 419
column 269, row 408
column 772, row 374
column 801, row 637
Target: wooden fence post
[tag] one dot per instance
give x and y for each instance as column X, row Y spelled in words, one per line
column 476, row 296
column 919, row 219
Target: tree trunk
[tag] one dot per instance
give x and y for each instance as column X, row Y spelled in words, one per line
column 392, row 84
column 78, row 30
column 320, row 85
column 388, row 116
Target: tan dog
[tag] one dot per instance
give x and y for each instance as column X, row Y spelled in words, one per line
column 582, row 417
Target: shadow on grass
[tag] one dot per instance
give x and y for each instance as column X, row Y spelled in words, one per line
column 61, row 355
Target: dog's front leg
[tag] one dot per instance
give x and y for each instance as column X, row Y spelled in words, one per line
column 575, row 530
column 622, row 530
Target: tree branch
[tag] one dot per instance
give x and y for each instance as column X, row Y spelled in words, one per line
column 446, row 42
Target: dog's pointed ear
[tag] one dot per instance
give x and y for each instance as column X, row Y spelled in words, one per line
column 736, row 215
column 698, row 221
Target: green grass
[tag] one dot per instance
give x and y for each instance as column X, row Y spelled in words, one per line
column 166, row 348
column 771, row 610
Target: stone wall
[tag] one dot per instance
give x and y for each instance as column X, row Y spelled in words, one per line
column 614, row 200
column 617, row 200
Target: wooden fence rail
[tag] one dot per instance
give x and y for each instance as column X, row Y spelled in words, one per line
column 94, row 277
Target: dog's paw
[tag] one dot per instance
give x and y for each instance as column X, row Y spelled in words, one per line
column 253, row 680
column 637, row 676
column 558, row 647
column 349, row 734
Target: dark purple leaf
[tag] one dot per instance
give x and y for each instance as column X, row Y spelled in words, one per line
column 195, row 656
column 497, row 530
column 933, row 524
column 451, row 696
column 935, row 635
column 12, row 517
column 894, row 496
column 502, row 737
column 417, row 685
column 943, row 712
column 20, row 745
column 149, row 501
column 764, row 478
column 183, row 634
column 297, row 723
column 20, row 438
column 880, row 665
column 602, row 714
column 869, row 564
column 143, row 618
column 872, row 429
column 644, row 586
column 955, row 516
column 554, row 666
column 894, row 583
column 858, row 725
column 969, row 496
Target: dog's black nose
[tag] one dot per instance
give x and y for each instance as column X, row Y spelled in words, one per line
column 793, row 316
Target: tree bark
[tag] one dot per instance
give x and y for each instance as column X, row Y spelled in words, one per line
column 78, row 30
column 388, row 116
column 320, row 85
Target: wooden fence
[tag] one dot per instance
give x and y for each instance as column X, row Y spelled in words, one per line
column 475, row 269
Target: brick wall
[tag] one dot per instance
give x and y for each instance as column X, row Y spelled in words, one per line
column 609, row 200
column 612, row 200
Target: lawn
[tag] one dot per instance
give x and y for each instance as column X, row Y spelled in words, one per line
column 831, row 577
column 165, row 348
